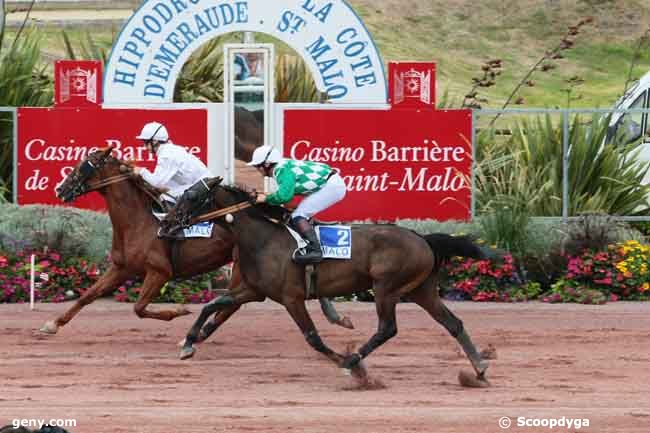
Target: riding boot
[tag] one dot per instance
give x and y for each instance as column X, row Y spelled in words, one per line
column 171, row 233
column 312, row 253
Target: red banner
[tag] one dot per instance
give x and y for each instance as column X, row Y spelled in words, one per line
column 52, row 141
column 396, row 163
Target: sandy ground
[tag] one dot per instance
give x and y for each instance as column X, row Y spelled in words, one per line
column 113, row 372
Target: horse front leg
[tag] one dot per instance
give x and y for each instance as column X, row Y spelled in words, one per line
column 113, row 277
column 151, row 286
column 218, row 320
column 222, row 315
column 230, row 302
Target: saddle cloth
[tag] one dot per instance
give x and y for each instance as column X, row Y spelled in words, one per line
column 200, row 230
column 336, row 240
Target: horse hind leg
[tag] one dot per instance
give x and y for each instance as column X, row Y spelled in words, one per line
column 105, row 284
column 151, row 286
column 426, row 296
column 332, row 315
column 386, row 328
column 300, row 315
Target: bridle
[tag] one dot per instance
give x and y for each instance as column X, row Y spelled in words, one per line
column 80, row 186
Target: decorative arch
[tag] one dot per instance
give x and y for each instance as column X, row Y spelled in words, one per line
column 155, row 43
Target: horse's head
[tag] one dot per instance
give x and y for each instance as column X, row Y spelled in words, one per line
column 189, row 205
column 78, row 181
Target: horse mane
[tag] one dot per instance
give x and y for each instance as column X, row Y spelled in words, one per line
column 150, row 191
column 260, row 210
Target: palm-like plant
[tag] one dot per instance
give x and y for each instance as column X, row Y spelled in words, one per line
column 23, row 82
column 528, row 167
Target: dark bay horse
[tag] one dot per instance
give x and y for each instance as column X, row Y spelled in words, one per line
column 136, row 250
column 393, row 261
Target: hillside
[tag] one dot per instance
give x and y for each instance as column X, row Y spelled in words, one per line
column 462, row 34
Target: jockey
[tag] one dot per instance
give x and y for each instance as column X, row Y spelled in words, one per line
column 319, row 182
column 176, row 169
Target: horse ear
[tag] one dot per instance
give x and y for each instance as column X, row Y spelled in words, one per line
column 107, row 151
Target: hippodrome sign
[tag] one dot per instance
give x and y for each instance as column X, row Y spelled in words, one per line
column 417, row 183
column 153, row 46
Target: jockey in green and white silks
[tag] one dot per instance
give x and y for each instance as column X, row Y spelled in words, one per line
column 321, row 184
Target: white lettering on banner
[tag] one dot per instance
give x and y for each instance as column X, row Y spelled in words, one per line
column 430, row 151
column 38, row 149
column 159, row 38
column 416, row 178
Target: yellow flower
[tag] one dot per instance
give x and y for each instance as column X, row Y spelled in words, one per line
column 645, row 287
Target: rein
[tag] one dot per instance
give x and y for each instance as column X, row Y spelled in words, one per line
column 108, row 181
column 221, row 212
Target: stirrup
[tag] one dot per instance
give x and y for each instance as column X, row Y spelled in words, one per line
column 300, row 257
column 177, row 236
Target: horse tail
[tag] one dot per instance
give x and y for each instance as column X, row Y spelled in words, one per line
column 445, row 247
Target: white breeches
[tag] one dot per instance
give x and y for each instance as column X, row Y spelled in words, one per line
column 332, row 192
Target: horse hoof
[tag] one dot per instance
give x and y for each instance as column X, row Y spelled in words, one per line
column 346, row 323
column 187, row 352
column 49, row 328
column 351, row 361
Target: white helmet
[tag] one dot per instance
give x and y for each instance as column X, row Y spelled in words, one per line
column 154, row 131
column 265, row 154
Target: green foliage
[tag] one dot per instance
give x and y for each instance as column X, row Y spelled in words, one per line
column 88, row 47
column 4, row 193
column 23, row 82
column 196, row 290
column 527, row 168
column 72, row 232
column 201, row 79
column 594, row 232
column 294, row 82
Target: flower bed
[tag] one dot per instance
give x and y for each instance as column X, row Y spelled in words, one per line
column 63, row 278
column 622, row 272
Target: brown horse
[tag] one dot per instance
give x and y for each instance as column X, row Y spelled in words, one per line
column 137, row 251
column 391, row 260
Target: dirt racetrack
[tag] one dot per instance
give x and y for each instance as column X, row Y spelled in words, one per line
column 113, row 372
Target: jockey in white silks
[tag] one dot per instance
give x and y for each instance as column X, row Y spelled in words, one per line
column 176, row 169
